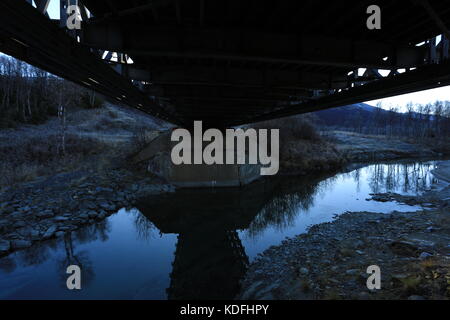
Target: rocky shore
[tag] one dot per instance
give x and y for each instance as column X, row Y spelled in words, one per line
column 49, row 207
column 330, row 261
column 340, row 149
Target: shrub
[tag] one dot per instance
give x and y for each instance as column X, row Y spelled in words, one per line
column 292, row 128
column 89, row 100
column 26, row 159
column 139, row 139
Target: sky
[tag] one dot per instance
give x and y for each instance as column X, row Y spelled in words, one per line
column 422, row 97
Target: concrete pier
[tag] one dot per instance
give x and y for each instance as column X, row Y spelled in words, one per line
column 158, row 160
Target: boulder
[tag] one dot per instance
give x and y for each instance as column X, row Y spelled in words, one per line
column 5, row 246
column 20, row 244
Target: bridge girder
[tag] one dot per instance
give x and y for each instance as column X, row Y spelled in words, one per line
column 249, row 45
column 204, row 60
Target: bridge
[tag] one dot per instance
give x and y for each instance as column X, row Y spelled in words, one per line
column 232, row 62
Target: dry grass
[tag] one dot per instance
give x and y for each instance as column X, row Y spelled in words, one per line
column 292, row 128
column 28, row 159
column 95, row 139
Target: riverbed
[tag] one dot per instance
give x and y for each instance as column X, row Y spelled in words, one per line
column 197, row 244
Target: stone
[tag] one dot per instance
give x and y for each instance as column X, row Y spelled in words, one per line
column 20, row 244
column 107, row 206
column 352, row 272
column 304, row 271
column 90, row 205
column 61, row 219
column 50, row 232
column 34, row 235
column 415, row 297
column 363, row 296
column 45, row 214
column 16, row 215
column 425, row 255
column 102, row 215
column 92, row 214
column 431, row 229
column 83, row 216
column 251, row 291
column 19, row 224
column 405, row 249
column 5, row 246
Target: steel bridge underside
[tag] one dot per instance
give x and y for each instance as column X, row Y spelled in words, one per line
column 233, row 62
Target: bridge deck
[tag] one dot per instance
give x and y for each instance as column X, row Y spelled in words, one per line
column 229, row 62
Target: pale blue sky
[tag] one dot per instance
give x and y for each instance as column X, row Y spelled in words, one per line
column 423, row 97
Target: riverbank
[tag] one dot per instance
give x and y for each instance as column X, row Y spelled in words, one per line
column 412, row 250
column 51, row 206
column 43, row 194
column 92, row 187
column 338, row 149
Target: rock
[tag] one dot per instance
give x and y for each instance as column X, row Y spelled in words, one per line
column 50, row 232
column 20, row 244
column 19, row 224
column 59, row 234
column 107, row 206
column 250, row 292
column 90, row 205
column 16, row 215
column 92, row 214
column 425, row 255
column 34, row 235
column 102, row 215
column 61, row 219
column 304, row 271
column 5, row 246
column 358, row 244
column 414, row 297
column 352, row 272
column 363, row 296
column 405, row 249
column 83, row 216
column 45, row 214
column 431, row 229
column 66, row 228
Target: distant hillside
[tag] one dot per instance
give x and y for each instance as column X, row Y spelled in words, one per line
column 348, row 115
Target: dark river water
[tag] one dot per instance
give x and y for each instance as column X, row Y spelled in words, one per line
column 197, row 244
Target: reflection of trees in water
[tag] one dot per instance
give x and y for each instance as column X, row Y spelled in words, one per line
column 40, row 252
column 80, row 259
column 356, row 175
column 145, row 229
column 8, row 265
column 405, row 177
column 290, row 199
column 98, row 231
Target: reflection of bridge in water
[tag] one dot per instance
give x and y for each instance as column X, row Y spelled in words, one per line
column 209, row 258
column 234, row 62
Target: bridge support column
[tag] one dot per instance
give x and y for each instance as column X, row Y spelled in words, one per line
column 157, row 156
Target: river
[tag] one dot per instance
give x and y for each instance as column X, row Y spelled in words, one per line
column 197, row 244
